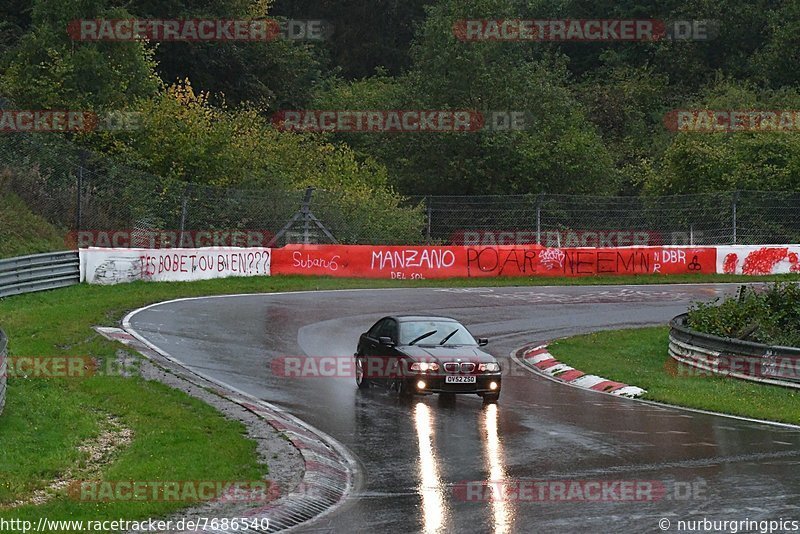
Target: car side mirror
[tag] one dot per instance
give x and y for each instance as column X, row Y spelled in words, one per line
column 386, row 340
column 483, row 341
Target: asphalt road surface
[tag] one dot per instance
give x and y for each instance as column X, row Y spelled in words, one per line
column 416, row 456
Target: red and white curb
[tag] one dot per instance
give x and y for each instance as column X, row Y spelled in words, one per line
column 540, row 360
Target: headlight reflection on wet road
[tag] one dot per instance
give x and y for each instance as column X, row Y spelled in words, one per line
column 430, row 487
column 503, row 514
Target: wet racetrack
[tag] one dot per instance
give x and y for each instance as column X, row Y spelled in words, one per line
column 415, row 456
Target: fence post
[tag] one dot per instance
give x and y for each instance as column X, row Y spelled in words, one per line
column 306, row 209
column 184, row 209
column 733, row 210
column 79, row 193
column 430, row 214
column 539, row 219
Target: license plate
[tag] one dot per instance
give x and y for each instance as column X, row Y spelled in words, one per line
column 458, row 379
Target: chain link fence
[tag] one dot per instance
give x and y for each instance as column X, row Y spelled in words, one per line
column 739, row 217
column 82, row 192
column 76, row 190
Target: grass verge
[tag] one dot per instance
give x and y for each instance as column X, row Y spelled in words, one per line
column 639, row 357
column 175, row 436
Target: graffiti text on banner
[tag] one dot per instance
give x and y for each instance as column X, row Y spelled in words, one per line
column 397, row 262
column 502, row 261
column 114, row 266
column 758, row 259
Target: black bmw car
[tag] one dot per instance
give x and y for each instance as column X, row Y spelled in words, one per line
column 423, row 355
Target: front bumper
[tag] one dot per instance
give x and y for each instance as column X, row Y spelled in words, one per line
column 436, row 384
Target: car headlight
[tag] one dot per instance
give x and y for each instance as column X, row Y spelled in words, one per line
column 492, row 367
column 424, row 366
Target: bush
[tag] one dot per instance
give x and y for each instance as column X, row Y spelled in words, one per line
column 770, row 315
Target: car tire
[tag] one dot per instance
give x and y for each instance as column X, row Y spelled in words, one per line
column 361, row 380
column 491, row 398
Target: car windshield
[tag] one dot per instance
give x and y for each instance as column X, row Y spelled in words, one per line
column 449, row 332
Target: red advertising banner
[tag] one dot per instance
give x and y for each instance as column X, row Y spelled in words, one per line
column 419, row 262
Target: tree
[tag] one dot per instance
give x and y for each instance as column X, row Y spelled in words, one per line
column 707, row 162
column 46, row 70
column 366, row 35
column 560, row 151
column 269, row 75
column 184, row 138
column 15, row 19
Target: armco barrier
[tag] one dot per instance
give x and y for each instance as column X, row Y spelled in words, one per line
column 3, row 368
column 733, row 357
column 38, row 272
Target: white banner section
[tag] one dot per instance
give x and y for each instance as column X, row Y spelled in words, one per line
column 109, row 266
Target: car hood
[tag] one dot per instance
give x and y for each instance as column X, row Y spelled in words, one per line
column 448, row 354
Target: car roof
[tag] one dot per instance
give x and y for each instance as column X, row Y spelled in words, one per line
column 412, row 318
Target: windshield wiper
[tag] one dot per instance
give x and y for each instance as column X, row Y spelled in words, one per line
column 423, row 336
column 448, row 336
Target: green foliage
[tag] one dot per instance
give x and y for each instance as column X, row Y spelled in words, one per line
column 366, row 37
column 46, row 70
column 627, row 103
column 183, row 137
column 771, row 316
column 704, row 162
column 597, row 108
column 559, row 152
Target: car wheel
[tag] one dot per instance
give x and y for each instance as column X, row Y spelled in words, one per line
column 491, row 398
column 361, row 380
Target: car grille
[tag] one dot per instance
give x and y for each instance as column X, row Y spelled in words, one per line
column 455, row 367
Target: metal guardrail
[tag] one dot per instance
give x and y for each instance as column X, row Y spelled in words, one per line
column 39, row 272
column 734, row 357
column 3, row 368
